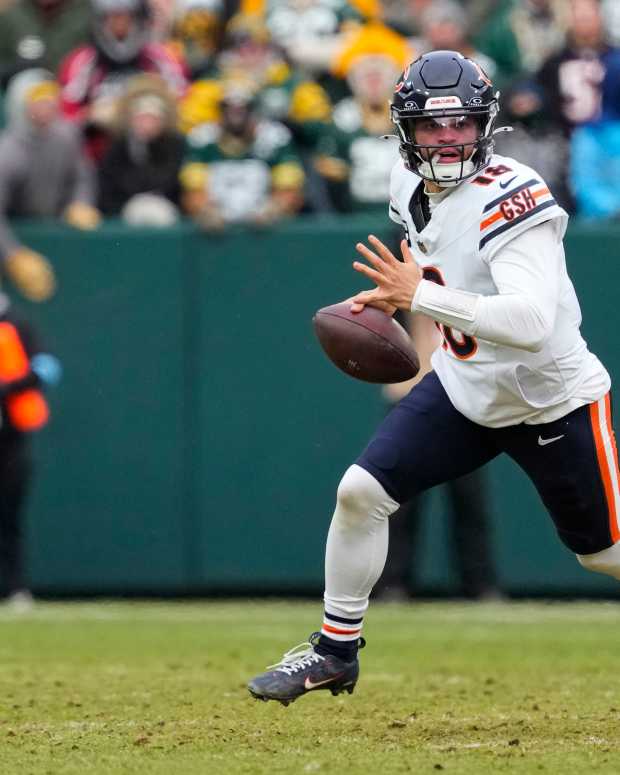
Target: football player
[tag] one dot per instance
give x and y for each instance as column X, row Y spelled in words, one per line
column 483, row 261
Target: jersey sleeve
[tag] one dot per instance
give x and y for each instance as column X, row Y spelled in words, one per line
column 526, row 201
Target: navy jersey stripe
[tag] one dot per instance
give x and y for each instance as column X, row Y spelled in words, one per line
column 520, row 219
column 342, row 620
column 508, row 194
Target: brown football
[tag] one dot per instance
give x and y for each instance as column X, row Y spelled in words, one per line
column 368, row 345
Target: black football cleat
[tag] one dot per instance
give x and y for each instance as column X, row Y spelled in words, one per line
column 302, row 670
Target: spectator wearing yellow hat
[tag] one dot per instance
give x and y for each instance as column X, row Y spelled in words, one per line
column 43, row 173
column 352, row 153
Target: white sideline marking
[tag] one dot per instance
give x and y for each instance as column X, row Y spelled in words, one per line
column 254, row 611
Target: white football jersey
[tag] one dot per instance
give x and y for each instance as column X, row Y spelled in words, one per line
column 492, row 384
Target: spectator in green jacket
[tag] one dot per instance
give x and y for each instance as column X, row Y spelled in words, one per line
column 446, row 26
column 38, row 33
column 352, row 153
column 521, row 34
column 242, row 168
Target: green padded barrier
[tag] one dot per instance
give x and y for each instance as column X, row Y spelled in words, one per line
column 279, row 423
column 109, row 506
column 199, row 433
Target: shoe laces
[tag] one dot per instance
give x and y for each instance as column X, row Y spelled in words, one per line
column 298, row 658
column 303, row 655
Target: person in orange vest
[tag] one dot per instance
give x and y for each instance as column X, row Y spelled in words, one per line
column 25, row 370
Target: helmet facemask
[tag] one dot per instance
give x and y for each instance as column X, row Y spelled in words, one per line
column 424, row 159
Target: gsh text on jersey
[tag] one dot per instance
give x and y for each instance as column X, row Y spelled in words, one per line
column 517, row 204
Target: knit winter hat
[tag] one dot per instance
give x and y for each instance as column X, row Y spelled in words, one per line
column 44, row 90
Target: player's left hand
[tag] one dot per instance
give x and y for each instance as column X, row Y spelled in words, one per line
column 396, row 281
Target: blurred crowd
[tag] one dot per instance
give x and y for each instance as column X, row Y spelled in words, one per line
column 251, row 111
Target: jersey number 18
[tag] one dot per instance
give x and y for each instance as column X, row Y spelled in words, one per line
column 461, row 345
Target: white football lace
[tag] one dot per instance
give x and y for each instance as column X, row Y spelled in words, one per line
column 300, row 656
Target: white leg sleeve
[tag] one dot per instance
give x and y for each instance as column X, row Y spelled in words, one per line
column 357, row 542
column 607, row 561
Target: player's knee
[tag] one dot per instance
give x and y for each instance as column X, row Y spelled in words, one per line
column 360, row 495
column 607, row 561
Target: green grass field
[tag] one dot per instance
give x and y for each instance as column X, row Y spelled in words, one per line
column 159, row 688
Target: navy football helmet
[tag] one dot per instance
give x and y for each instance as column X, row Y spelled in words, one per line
column 442, row 85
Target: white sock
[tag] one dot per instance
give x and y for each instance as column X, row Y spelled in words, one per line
column 607, row 561
column 357, row 546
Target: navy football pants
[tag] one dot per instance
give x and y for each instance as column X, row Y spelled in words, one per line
column 572, row 462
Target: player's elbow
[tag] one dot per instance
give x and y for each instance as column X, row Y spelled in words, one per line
column 515, row 320
column 538, row 332
column 534, row 344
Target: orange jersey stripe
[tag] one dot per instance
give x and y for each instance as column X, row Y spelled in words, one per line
column 495, row 217
column 338, row 631
column 595, row 419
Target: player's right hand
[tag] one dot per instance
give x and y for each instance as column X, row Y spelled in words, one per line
column 396, row 281
column 357, row 306
column 31, row 273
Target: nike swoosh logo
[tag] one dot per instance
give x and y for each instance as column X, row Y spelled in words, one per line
column 309, row 685
column 542, row 442
column 507, row 183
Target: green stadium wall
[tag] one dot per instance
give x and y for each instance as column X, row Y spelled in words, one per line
column 199, row 433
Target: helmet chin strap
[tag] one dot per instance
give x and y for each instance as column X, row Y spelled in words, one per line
column 447, row 175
